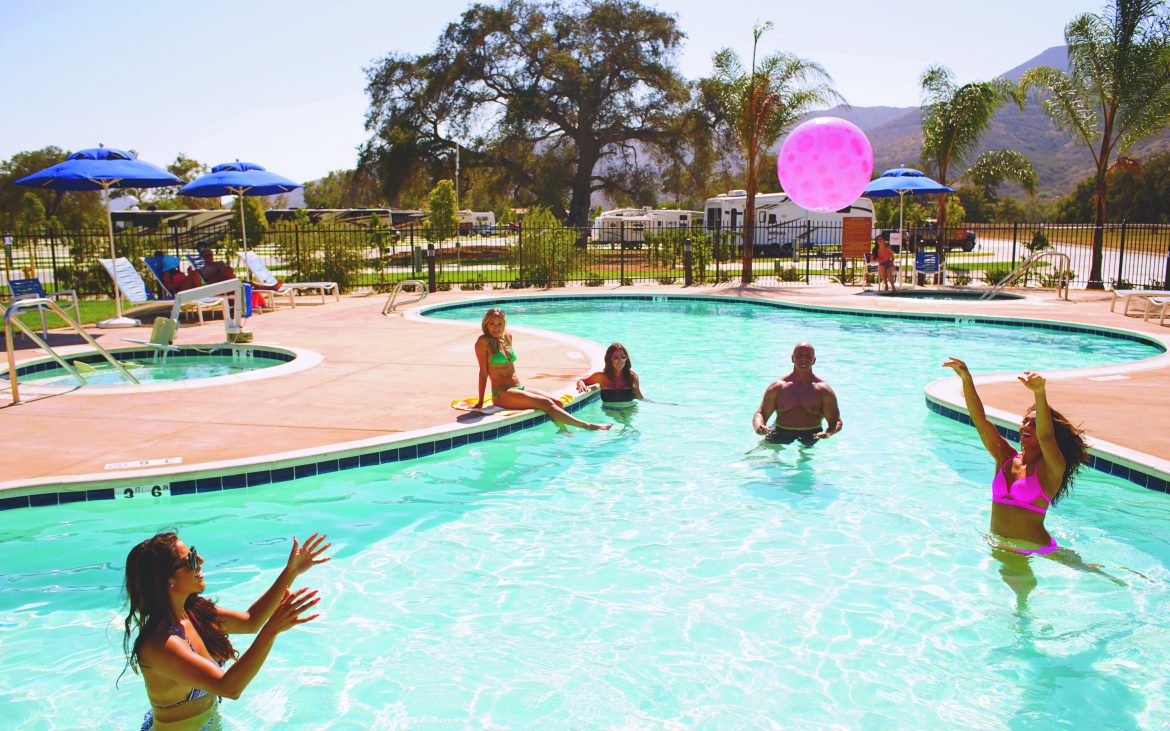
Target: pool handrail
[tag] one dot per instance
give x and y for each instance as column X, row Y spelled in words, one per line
column 388, row 308
column 1062, row 281
column 10, row 320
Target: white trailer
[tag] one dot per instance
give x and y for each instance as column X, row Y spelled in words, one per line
column 481, row 222
column 782, row 226
column 629, row 225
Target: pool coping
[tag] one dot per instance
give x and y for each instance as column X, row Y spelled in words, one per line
column 1137, row 467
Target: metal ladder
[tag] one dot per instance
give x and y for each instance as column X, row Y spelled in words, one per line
column 11, row 321
column 1015, row 274
column 388, row 308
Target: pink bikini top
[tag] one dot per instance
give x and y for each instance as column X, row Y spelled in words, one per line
column 1022, row 493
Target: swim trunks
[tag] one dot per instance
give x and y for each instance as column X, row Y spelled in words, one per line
column 784, row 435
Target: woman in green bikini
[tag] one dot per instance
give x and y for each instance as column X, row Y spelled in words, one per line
column 497, row 362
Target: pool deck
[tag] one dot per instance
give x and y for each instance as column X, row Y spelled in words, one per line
column 383, row 380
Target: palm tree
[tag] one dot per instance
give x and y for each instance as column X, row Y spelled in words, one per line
column 953, row 119
column 1116, row 91
column 760, row 105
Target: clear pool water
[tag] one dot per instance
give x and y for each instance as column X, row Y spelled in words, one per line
column 671, row 573
column 152, row 370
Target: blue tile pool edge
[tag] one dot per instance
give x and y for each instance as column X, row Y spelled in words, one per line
column 284, row 470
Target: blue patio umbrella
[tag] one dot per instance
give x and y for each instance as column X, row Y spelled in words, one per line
column 102, row 168
column 239, row 179
column 899, row 182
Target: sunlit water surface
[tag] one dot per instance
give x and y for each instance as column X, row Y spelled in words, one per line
column 672, row 573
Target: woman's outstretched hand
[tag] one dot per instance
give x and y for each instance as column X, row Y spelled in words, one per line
column 1034, row 381
column 958, row 366
column 303, row 558
column 288, row 613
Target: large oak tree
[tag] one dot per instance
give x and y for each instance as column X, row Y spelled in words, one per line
column 560, row 96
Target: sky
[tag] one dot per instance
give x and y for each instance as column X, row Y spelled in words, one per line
column 282, row 84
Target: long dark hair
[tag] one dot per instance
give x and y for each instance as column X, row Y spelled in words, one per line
column 149, row 568
column 610, row 373
column 1070, row 440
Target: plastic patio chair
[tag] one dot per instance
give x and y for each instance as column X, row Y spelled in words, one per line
column 31, row 288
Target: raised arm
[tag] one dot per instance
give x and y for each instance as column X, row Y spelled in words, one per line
column 767, row 408
column 995, row 444
column 481, row 354
column 1054, row 461
column 300, row 560
column 636, row 385
column 176, row 660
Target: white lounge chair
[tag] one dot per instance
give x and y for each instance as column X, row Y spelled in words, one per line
column 142, row 299
column 1161, row 305
column 1132, row 296
column 259, row 270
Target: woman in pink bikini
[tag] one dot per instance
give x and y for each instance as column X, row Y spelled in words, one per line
column 1026, row 482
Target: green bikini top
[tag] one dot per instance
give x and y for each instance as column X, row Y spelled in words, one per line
column 498, row 357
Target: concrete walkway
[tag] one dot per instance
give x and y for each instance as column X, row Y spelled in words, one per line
column 383, row 379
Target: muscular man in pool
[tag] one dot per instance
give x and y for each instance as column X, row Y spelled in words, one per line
column 802, row 402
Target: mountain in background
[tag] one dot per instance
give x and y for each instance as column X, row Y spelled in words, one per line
column 1061, row 163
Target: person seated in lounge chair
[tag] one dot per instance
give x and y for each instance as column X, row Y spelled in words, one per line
column 173, row 277
column 213, row 270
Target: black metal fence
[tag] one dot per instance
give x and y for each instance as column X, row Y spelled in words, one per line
column 364, row 258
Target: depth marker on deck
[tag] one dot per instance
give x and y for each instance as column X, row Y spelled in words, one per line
column 144, row 463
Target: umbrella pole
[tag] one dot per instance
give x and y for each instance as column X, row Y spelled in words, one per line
column 902, row 235
column 118, row 320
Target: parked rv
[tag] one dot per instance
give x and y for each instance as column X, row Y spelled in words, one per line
column 480, row 222
column 782, row 227
column 630, row 225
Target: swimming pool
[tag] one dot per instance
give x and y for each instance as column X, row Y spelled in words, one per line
column 671, row 573
column 157, row 369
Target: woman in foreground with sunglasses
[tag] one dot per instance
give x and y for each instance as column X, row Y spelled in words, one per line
column 182, row 640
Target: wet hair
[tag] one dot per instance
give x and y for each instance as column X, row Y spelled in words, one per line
column 1071, row 442
column 495, row 344
column 609, row 371
column 149, row 568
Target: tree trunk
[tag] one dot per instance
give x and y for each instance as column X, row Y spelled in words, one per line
column 1102, row 188
column 749, row 220
column 582, row 186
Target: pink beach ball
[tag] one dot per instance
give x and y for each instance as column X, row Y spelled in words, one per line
column 825, row 164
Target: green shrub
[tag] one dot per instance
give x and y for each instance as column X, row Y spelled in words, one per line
column 1056, row 279
column 1039, row 242
column 595, row 282
column 667, row 280
column 545, row 250
column 517, row 284
column 992, row 274
column 441, row 286
column 474, row 285
column 787, row 273
column 849, row 276
column 627, row 282
column 959, row 277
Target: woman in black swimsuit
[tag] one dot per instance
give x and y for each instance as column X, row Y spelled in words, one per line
column 619, row 385
column 182, row 638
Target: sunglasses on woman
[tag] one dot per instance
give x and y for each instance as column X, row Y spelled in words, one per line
column 191, row 561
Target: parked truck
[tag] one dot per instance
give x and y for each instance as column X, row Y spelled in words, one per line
column 926, row 236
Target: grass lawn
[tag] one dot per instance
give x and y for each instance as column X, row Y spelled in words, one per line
column 91, row 311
